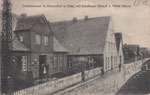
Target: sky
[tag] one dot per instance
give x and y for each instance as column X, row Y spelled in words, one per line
column 133, row 22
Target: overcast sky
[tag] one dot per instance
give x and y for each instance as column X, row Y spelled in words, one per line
column 133, row 22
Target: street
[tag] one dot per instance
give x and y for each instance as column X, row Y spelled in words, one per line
column 139, row 83
column 130, row 80
column 110, row 83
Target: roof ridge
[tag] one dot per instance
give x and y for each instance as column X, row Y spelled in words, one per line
column 81, row 19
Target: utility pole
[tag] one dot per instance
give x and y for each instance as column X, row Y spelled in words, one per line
column 6, row 49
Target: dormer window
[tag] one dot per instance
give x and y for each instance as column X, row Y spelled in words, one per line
column 20, row 38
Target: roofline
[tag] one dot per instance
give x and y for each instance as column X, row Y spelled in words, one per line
column 60, row 52
column 82, row 54
column 80, row 19
column 21, row 51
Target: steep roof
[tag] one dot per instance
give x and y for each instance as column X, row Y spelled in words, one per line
column 82, row 36
column 27, row 22
column 57, row 47
column 18, row 46
column 118, row 38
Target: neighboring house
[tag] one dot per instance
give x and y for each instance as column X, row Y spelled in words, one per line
column 35, row 33
column 119, row 45
column 131, row 52
column 144, row 52
column 59, row 66
column 90, row 42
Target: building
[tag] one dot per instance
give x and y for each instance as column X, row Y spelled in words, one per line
column 131, row 53
column 47, row 56
column 90, row 42
column 144, row 52
column 119, row 45
column 59, row 66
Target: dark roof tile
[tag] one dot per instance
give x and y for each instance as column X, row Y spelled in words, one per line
column 83, row 36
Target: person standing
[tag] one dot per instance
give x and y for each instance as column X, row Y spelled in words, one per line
column 102, row 71
column 119, row 67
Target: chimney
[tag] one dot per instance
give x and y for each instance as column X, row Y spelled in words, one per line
column 86, row 18
column 23, row 15
column 74, row 20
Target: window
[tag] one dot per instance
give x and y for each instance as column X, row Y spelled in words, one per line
column 90, row 61
column 60, row 61
column 70, row 63
column 38, row 39
column 106, row 63
column 45, row 40
column 21, row 38
column 55, row 61
column 24, row 63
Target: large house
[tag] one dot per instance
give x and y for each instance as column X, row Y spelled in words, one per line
column 90, row 42
column 119, row 45
column 36, row 35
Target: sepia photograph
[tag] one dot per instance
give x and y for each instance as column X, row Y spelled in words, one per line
column 75, row 47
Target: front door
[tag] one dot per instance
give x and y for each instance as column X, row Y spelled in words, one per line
column 42, row 66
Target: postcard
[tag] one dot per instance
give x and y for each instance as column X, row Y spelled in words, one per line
column 75, row 47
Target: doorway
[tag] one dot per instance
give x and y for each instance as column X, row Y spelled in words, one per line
column 42, row 66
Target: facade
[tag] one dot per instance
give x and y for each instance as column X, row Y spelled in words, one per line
column 47, row 57
column 37, row 36
column 59, row 66
column 119, row 45
column 89, row 40
column 78, row 63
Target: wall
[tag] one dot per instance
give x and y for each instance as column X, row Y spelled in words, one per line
column 121, row 53
column 92, row 73
column 57, row 85
column 81, row 63
column 59, row 68
column 26, row 34
column 36, row 50
column 43, row 30
column 0, row 67
column 110, row 50
column 35, row 62
column 50, row 87
column 22, row 54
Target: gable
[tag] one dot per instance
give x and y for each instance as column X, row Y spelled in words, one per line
column 110, row 34
column 110, row 43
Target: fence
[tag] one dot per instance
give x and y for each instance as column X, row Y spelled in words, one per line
column 54, row 86
column 50, row 87
column 132, row 68
column 92, row 73
column 57, row 85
